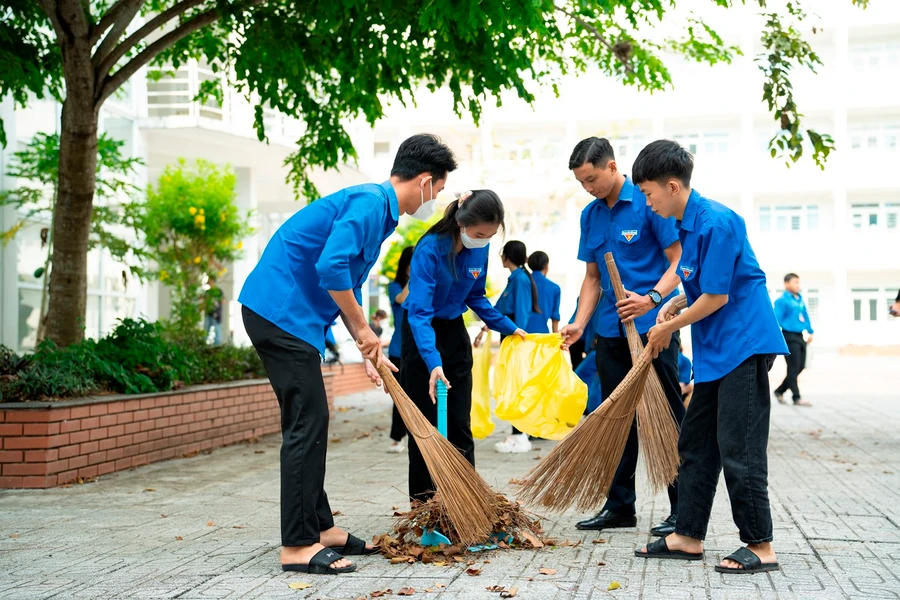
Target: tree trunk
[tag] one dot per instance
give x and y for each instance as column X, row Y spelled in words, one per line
column 72, row 223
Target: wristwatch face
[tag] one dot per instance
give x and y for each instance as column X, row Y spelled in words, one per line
column 655, row 297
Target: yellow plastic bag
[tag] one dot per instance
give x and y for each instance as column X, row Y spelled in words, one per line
column 482, row 423
column 536, row 389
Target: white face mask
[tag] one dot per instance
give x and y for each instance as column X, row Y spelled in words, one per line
column 426, row 209
column 471, row 243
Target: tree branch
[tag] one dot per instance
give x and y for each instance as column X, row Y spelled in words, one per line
column 107, row 20
column 125, row 12
column 600, row 37
column 107, row 62
column 114, row 81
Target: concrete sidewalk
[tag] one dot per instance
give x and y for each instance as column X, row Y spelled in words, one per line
column 207, row 526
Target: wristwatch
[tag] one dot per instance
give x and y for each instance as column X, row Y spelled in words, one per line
column 655, row 296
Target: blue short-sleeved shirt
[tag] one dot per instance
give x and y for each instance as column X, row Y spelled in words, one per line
column 549, row 296
column 516, row 302
column 331, row 244
column 791, row 314
column 436, row 291
column 717, row 259
column 398, row 312
column 637, row 238
column 685, row 373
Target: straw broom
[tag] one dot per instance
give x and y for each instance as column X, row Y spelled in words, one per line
column 580, row 469
column 470, row 502
column 657, row 430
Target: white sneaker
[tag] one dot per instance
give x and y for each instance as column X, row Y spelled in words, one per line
column 396, row 447
column 514, row 444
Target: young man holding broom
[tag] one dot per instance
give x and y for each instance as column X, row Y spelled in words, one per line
column 735, row 339
column 311, row 271
column 646, row 250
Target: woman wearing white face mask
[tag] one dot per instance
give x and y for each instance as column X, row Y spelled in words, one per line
column 447, row 275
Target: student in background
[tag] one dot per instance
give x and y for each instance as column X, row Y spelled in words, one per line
column 793, row 318
column 519, row 302
column 397, row 291
column 447, row 277
column 375, row 322
column 548, row 295
column 895, row 308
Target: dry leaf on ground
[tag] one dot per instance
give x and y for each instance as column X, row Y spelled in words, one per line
column 149, row 489
column 407, row 591
column 601, row 564
column 615, row 585
column 336, row 513
column 600, row 541
column 510, row 593
column 259, row 452
column 178, row 538
column 210, row 523
column 380, row 593
column 473, row 572
column 299, row 585
column 546, row 571
column 14, row 536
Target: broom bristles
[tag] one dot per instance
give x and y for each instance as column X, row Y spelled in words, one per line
column 470, row 502
column 580, row 469
column 657, row 429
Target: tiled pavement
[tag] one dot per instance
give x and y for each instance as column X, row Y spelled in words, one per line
column 207, row 526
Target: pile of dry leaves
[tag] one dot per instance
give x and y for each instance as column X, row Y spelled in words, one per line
column 515, row 528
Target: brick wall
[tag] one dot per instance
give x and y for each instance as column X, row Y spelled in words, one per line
column 348, row 379
column 47, row 444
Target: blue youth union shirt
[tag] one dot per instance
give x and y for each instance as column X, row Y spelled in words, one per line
column 684, row 369
column 791, row 314
column 549, row 296
column 637, row 238
column 515, row 302
column 331, row 244
column 436, row 291
column 393, row 290
column 717, row 259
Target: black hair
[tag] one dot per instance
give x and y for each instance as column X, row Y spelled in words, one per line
column 514, row 251
column 594, row 150
column 423, row 153
column 380, row 314
column 661, row 161
column 790, row 276
column 403, row 263
column 538, row 261
column 483, row 206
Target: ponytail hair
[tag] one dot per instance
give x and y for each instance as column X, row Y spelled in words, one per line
column 514, row 251
column 469, row 209
column 402, row 277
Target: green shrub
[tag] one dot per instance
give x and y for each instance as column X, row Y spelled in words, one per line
column 136, row 357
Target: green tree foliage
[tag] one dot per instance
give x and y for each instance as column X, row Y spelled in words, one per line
column 327, row 63
column 191, row 229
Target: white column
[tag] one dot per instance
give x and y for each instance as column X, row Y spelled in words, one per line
column 841, row 313
column 233, row 281
column 9, row 288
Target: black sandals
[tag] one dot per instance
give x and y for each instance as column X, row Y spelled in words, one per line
column 659, row 549
column 354, row 547
column 320, row 564
column 749, row 561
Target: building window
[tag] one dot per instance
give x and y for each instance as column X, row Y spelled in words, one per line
column 789, row 218
column 710, row 143
column 872, row 304
column 382, row 149
column 872, row 138
column 765, row 218
column 884, row 56
column 875, row 215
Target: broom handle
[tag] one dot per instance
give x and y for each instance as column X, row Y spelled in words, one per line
column 441, row 408
column 634, row 339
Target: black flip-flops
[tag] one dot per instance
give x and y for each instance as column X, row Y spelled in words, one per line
column 749, row 562
column 659, row 549
column 320, row 564
column 354, row 547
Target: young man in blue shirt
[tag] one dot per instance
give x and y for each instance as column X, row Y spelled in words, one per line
column 790, row 310
column 646, row 250
column 735, row 339
column 313, row 270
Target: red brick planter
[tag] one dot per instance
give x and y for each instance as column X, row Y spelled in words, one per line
column 43, row 444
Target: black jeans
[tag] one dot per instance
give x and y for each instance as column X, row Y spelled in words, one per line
column 398, row 427
column 613, row 364
column 455, row 348
column 727, row 428
column 576, row 352
column 294, row 369
column 796, row 362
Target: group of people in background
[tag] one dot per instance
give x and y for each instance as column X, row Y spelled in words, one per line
column 663, row 234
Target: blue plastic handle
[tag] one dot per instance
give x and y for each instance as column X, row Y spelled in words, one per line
column 441, row 408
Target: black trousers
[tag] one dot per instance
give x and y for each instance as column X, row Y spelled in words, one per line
column 796, row 362
column 294, row 369
column 727, row 428
column 455, row 348
column 576, row 352
column 398, row 427
column 613, row 364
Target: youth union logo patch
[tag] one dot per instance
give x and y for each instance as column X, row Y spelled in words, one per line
column 686, row 271
column 628, row 234
column 475, row 272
